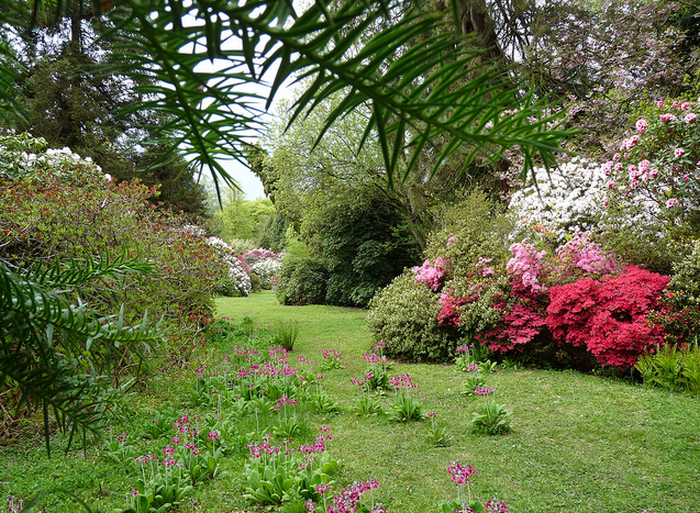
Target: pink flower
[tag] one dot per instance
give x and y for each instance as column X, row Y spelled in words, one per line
column 667, row 117
column 460, row 475
column 451, row 241
column 641, row 126
column 610, row 184
column 689, row 118
column 653, row 173
column 659, row 105
column 644, row 166
column 672, row 202
column 678, row 152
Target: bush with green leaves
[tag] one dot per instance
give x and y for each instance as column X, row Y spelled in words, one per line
column 302, row 282
column 407, row 314
column 680, row 319
column 404, row 316
column 77, row 212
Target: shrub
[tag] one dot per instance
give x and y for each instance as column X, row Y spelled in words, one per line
column 680, row 317
column 267, row 269
column 302, row 282
column 404, row 316
column 68, row 210
column 609, row 317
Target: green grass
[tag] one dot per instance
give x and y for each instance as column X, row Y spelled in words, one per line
column 578, row 443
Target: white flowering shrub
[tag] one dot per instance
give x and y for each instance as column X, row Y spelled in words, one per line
column 235, row 281
column 24, row 156
column 266, row 270
column 566, row 200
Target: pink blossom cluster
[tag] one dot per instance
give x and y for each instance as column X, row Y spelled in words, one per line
column 256, row 255
column 494, row 506
column 431, row 275
column 284, row 400
column 347, row 500
column 330, row 353
column 459, row 474
column 449, row 312
column 14, row 504
column 527, row 265
column 581, row 254
column 402, row 381
column 482, row 391
column 373, row 358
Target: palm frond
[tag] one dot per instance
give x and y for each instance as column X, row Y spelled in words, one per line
column 211, row 114
column 58, row 352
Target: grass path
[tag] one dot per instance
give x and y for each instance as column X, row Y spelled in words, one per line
column 579, row 443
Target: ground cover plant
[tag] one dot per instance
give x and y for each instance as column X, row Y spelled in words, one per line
column 575, row 441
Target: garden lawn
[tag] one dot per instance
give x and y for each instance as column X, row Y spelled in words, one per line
column 578, row 443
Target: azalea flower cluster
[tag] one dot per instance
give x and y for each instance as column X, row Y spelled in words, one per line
column 560, row 201
column 431, row 274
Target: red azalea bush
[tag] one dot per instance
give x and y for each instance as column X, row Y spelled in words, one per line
column 609, row 317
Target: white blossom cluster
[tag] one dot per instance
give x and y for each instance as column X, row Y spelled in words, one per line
column 236, row 272
column 568, row 199
column 16, row 163
column 266, row 269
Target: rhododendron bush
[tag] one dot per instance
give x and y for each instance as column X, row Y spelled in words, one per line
column 62, row 207
column 653, row 186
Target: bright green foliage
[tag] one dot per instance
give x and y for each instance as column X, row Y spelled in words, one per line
column 674, row 367
column 405, row 409
column 491, row 418
column 57, row 350
column 302, row 282
column 404, row 316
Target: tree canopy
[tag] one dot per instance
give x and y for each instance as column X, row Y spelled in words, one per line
column 196, row 62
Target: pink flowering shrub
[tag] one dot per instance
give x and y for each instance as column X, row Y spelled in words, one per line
column 431, row 275
column 653, row 193
column 527, row 266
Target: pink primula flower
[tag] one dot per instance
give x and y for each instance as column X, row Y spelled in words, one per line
column 689, row 118
column 678, row 152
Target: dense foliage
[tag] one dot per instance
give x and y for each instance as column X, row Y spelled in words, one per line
column 61, row 207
